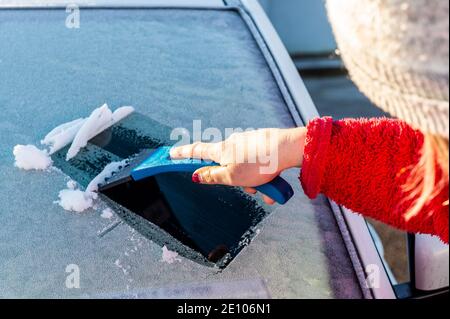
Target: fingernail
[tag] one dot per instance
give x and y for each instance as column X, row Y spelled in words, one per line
column 195, row 178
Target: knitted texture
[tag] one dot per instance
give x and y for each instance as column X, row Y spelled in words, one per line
column 397, row 52
column 363, row 164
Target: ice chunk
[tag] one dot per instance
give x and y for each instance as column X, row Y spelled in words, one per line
column 169, row 256
column 71, row 184
column 121, row 113
column 62, row 135
column 107, row 213
column 75, row 200
column 107, row 172
column 30, row 157
column 99, row 120
column 79, row 131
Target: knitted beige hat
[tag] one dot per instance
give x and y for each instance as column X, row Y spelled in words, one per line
column 397, row 52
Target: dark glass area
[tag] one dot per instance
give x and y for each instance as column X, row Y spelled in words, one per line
column 212, row 220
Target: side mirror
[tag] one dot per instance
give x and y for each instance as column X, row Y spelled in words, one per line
column 431, row 262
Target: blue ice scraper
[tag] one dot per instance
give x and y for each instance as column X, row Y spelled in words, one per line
column 157, row 161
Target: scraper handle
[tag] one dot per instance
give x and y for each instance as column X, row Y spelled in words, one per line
column 277, row 189
column 160, row 162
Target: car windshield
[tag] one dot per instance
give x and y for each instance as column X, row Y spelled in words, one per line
column 173, row 66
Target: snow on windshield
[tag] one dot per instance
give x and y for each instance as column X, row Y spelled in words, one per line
column 174, row 66
column 77, row 133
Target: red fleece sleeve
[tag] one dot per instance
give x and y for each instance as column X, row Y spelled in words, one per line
column 363, row 165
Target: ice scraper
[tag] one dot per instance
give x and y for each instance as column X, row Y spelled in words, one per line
column 157, row 161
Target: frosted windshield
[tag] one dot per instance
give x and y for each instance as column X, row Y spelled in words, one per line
column 174, row 66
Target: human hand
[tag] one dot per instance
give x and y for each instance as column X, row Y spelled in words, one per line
column 247, row 159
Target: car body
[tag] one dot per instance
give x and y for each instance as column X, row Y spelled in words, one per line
column 175, row 61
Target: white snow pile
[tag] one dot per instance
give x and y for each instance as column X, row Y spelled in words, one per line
column 107, row 213
column 29, row 157
column 71, row 184
column 107, row 172
column 62, row 135
column 99, row 120
column 75, row 200
column 169, row 256
column 78, row 132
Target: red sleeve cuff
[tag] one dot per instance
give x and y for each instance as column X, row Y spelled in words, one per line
column 315, row 155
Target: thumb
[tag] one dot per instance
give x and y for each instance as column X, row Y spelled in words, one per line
column 212, row 175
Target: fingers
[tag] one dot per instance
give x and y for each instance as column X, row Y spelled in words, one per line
column 198, row 150
column 253, row 191
column 230, row 175
column 268, row 200
column 213, row 175
column 250, row 190
column 220, row 175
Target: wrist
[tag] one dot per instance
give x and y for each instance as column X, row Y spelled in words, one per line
column 291, row 149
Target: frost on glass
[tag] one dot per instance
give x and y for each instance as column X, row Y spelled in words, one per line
column 174, row 66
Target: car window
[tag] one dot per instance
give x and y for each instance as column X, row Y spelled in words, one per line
column 173, row 66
